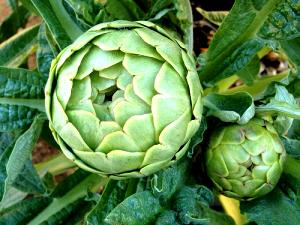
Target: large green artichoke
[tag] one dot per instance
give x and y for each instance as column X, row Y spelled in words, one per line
column 245, row 161
column 124, row 99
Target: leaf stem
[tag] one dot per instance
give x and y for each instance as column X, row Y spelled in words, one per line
column 131, row 188
column 56, row 165
column 31, row 103
column 90, row 183
column 292, row 167
column 66, row 21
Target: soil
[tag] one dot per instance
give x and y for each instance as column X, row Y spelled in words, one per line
column 4, row 10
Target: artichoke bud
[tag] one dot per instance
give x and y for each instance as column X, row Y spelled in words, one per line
column 245, row 161
column 124, row 100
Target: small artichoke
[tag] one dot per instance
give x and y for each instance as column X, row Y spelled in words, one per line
column 124, row 99
column 245, row 161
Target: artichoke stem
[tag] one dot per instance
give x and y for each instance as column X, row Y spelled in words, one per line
column 57, row 165
column 131, row 188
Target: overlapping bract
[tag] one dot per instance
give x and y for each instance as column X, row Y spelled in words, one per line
column 124, row 99
column 245, row 161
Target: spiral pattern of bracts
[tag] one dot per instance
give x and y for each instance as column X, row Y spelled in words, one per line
column 245, row 161
column 124, row 99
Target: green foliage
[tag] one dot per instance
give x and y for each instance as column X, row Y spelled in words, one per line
column 180, row 194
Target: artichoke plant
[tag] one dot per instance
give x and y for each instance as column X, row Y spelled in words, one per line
column 124, row 99
column 245, row 161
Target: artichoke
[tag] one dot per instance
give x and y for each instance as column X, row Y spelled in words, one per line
column 245, row 161
column 124, row 99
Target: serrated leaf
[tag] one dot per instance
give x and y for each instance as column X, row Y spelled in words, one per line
column 19, row 156
column 84, row 10
column 119, row 10
column 158, row 6
column 292, row 49
column 15, row 117
column 192, row 204
column 237, row 107
column 250, row 72
column 215, row 17
column 294, row 131
column 283, row 103
column 44, row 53
column 283, row 209
column 13, row 196
column 5, row 140
column 292, row 147
column 139, row 208
column 283, row 23
column 28, row 180
column 167, row 217
column 166, row 182
column 239, row 39
column 16, row 49
column 84, row 26
column 282, row 124
column 114, row 193
column 63, row 31
column 21, row 97
column 21, row 83
column 185, row 18
column 23, row 211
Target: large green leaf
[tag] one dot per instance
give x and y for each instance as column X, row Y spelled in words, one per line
column 283, row 103
column 63, row 29
column 75, row 202
column 292, row 49
column 21, row 97
column 249, row 27
column 114, row 193
column 44, row 54
column 192, row 204
column 185, row 17
column 283, row 207
column 238, row 107
column 15, row 161
column 15, row 50
column 139, row 208
column 23, row 211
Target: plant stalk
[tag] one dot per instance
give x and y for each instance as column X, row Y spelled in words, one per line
column 65, row 20
column 56, row 165
column 90, row 183
column 31, row 103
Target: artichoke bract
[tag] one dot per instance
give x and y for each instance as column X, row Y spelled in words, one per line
column 124, row 99
column 245, row 161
